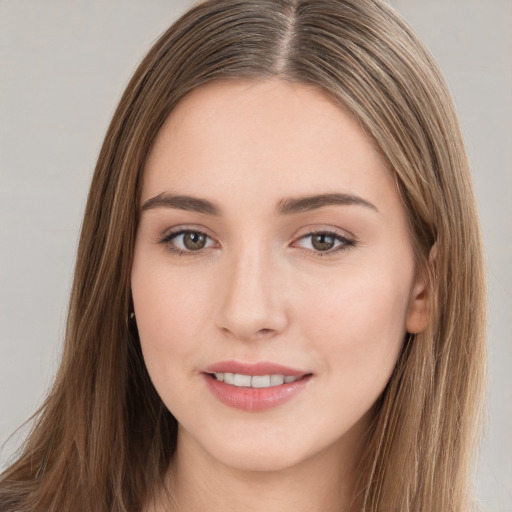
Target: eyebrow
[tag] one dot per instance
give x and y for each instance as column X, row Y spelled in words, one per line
column 286, row 206
column 293, row 205
column 181, row 202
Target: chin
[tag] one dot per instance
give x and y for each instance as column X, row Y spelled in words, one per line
column 260, row 459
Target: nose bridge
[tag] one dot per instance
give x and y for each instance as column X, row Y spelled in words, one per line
column 252, row 293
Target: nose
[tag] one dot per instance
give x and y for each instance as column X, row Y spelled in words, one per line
column 252, row 297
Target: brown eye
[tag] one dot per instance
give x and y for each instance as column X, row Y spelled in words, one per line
column 187, row 241
column 194, row 241
column 323, row 242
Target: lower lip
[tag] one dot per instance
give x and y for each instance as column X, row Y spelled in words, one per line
column 254, row 399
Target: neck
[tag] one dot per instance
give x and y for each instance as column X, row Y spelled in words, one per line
column 322, row 483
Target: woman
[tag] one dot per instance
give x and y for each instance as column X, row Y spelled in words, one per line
column 266, row 307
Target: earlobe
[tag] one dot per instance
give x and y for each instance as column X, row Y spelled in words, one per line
column 418, row 314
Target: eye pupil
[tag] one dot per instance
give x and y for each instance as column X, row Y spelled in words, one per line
column 194, row 241
column 322, row 242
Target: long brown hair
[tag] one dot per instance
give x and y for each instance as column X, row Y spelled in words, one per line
column 103, row 439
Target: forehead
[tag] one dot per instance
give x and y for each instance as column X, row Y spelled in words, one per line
column 270, row 138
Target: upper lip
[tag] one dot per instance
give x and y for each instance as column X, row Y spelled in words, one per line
column 261, row 368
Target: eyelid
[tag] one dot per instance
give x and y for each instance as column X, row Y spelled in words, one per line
column 168, row 236
column 347, row 241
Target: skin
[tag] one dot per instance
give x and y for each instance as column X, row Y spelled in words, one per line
column 260, row 290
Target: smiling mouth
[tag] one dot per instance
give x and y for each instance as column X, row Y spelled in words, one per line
column 256, row 381
column 255, row 393
column 257, row 387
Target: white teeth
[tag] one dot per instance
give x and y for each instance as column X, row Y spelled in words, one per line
column 256, row 381
column 277, row 380
column 261, row 381
column 241, row 380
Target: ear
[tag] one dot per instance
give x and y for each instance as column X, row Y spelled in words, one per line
column 418, row 312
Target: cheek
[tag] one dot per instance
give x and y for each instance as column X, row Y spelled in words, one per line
column 358, row 323
column 170, row 315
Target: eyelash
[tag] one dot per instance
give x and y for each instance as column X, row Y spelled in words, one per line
column 345, row 243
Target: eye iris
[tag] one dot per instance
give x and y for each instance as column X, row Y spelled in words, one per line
column 322, row 242
column 194, row 241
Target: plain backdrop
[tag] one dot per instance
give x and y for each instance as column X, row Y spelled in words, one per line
column 63, row 66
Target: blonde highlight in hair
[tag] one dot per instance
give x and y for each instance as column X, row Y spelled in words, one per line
column 103, row 439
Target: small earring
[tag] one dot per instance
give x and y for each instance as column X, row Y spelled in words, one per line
column 132, row 315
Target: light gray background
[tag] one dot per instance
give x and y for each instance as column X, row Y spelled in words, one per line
column 63, row 66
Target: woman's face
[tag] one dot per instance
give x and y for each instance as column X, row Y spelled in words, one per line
column 272, row 250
